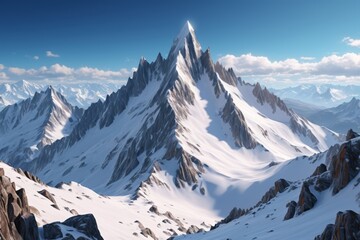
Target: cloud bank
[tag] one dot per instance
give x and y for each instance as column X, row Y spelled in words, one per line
column 333, row 68
column 61, row 73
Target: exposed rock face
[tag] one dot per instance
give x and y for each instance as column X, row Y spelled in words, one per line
column 346, row 227
column 319, row 170
column 16, row 220
column 48, row 195
column 86, row 224
column 279, row 187
column 327, row 233
column 351, row 134
column 234, row 214
column 345, row 165
column 240, row 131
column 323, row 182
column 29, row 175
column 291, row 210
column 27, row 226
column 306, row 200
column 264, row 96
column 147, row 232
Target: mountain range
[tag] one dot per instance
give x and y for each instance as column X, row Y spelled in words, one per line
column 78, row 94
column 325, row 95
column 184, row 143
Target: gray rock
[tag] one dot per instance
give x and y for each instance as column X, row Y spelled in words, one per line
column 319, row 170
column 291, row 210
column 85, row 224
column 346, row 227
column 27, row 227
column 345, row 165
column 52, row 231
column 306, row 200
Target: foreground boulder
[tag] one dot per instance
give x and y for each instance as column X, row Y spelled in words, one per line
column 279, row 187
column 307, row 200
column 291, row 210
column 346, row 227
column 345, row 165
column 16, row 221
column 85, row 224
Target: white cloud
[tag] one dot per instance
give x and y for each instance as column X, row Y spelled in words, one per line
column 61, row 69
column 58, row 72
column 51, row 54
column 2, row 67
column 36, row 58
column 351, row 42
column 17, row 71
column 307, row 58
column 333, row 68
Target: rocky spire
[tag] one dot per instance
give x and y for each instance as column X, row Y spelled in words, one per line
column 186, row 43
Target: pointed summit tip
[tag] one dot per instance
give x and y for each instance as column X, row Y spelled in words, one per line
column 186, row 38
column 186, row 30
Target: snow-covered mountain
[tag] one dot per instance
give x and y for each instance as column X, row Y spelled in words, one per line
column 176, row 148
column 302, row 108
column 28, row 126
column 78, row 94
column 340, row 118
column 11, row 93
column 185, row 128
column 326, row 95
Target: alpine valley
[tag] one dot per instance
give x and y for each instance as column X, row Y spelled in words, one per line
column 185, row 150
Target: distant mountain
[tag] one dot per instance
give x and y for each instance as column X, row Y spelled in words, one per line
column 340, row 118
column 28, row 126
column 325, row 95
column 302, row 108
column 79, row 94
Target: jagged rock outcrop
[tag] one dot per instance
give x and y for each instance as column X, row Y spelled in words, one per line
column 240, row 131
column 351, row 134
column 319, row 170
column 49, row 196
column 85, row 224
column 147, row 232
column 345, row 165
column 264, row 96
column 346, row 227
column 16, row 220
column 323, row 182
column 29, row 175
column 234, row 214
column 291, row 210
column 306, row 200
column 279, row 187
column 194, row 229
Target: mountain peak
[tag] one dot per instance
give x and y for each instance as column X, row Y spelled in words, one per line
column 186, row 39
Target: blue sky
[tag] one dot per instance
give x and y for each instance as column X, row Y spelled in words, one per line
column 111, row 36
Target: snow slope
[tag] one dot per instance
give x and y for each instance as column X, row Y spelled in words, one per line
column 266, row 221
column 116, row 216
